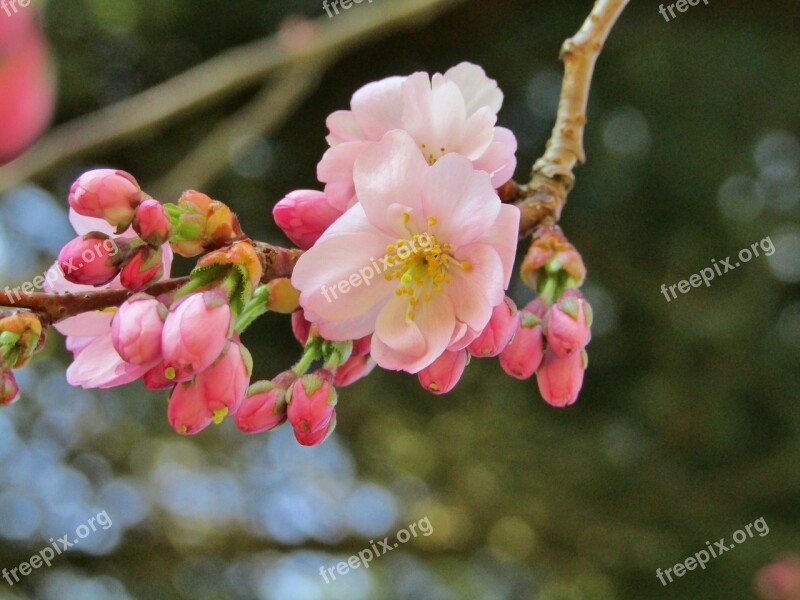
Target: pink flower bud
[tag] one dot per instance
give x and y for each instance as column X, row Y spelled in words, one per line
column 90, row 259
column 300, row 327
column 567, row 324
column 152, row 223
column 551, row 254
column 560, row 379
column 444, row 373
column 362, row 346
column 9, row 390
column 523, row 355
column 26, row 78
column 21, row 336
column 264, row 408
column 304, row 216
column 223, row 385
column 155, row 379
column 356, row 367
column 187, row 412
column 106, row 194
column 780, row 580
column 311, row 411
column 195, row 333
column 136, row 329
column 143, row 269
column 497, row 333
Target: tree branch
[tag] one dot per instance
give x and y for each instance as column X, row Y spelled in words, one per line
column 544, row 197
column 277, row 262
column 231, row 71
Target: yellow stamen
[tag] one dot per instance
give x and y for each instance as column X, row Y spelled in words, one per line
column 220, row 414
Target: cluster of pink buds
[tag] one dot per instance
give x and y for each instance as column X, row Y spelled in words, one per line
column 554, row 329
column 137, row 254
column 188, row 342
column 306, row 400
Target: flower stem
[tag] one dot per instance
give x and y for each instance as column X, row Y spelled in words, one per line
column 256, row 307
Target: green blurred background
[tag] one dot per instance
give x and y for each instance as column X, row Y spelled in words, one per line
column 687, row 426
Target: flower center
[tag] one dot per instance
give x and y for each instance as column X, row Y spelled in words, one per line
column 422, row 265
column 430, row 155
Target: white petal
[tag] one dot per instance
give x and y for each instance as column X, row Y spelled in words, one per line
column 478, row 90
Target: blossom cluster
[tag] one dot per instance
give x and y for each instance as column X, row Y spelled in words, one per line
column 410, row 198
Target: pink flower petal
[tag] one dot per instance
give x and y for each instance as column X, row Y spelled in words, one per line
column 503, row 236
column 378, row 107
column 90, row 324
column 388, row 173
column 462, row 200
column 395, row 335
column 434, row 113
column 83, row 225
column 343, row 128
column 500, row 158
column 335, row 170
column 354, row 328
column 478, row 90
column 338, row 278
column 475, row 292
column 99, row 366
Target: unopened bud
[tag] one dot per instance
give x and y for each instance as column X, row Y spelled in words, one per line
column 283, row 297
column 91, row 259
column 265, row 406
column 560, row 379
column 442, row 375
column 106, row 194
column 568, row 323
column 21, row 336
column 187, row 412
column 241, row 256
column 311, row 411
column 304, row 216
column 136, row 329
column 523, row 355
column 196, row 331
column 224, row 384
column 552, row 255
column 497, row 333
column 357, row 367
column 301, row 328
column 151, row 223
column 9, row 390
column 200, row 223
column 143, row 269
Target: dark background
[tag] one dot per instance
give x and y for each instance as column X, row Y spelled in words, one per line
column 687, row 426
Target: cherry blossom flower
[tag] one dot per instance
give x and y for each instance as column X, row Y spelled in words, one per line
column 451, row 113
column 420, row 261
